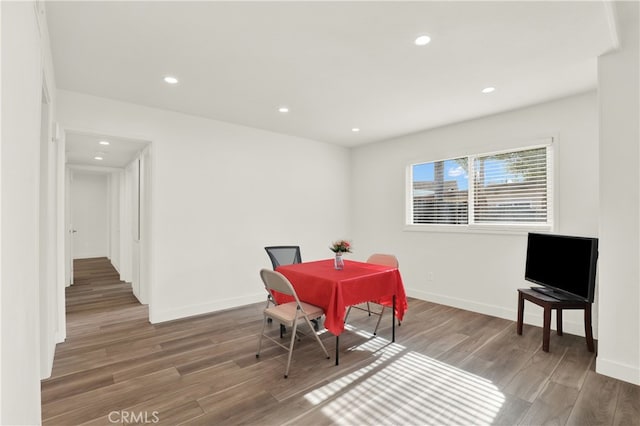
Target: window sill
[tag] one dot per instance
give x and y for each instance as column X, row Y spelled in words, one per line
column 480, row 229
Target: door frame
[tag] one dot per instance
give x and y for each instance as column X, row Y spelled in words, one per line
column 66, row 255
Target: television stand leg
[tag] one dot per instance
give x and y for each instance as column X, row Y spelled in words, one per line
column 520, row 313
column 559, row 321
column 587, row 328
column 546, row 328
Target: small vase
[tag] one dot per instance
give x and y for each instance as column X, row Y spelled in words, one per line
column 338, row 262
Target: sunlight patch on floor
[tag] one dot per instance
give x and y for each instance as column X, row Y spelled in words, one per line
column 321, row 394
column 412, row 389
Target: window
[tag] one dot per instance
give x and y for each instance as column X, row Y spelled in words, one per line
column 440, row 192
column 507, row 188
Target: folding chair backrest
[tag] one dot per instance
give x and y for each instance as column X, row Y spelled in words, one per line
column 275, row 281
column 284, row 255
column 383, row 259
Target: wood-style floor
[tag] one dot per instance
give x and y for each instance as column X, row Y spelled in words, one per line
column 448, row 366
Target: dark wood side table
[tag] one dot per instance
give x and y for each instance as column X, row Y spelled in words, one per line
column 548, row 303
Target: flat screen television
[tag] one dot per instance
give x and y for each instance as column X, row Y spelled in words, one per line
column 565, row 266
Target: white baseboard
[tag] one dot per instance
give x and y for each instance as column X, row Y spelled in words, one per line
column 89, row 255
column 137, row 295
column 204, row 308
column 570, row 327
column 627, row 373
column 49, row 363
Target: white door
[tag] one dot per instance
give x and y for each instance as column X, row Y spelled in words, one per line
column 90, row 212
column 70, row 231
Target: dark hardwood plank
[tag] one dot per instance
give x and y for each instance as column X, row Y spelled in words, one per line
column 552, row 406
column 596, row 403
column 534, row 375
column 628, row 408
column 575, row 363
column 99, row 402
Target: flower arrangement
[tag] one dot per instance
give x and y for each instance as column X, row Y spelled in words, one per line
column 341, row 246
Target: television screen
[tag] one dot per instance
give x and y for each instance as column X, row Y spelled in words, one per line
column 563, row 264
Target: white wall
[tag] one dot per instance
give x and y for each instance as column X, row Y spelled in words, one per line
column 125, row 227
column 477, row 271
column 114, row 218
column 132, row 235
column 90, row 213
column 62, row 279
column 68, row 226
column 47, row 205
column 219, row 194
column 619, row 344
column 22, row 75
column 145, row 248
column 1, row 258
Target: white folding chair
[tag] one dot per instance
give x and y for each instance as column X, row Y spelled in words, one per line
column 378, row 259
column 287, row 313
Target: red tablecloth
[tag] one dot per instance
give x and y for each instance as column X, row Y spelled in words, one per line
column 320, row 284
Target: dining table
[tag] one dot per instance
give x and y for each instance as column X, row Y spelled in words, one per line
column 334, row 290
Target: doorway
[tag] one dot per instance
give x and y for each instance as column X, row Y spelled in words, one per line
column 105, row 201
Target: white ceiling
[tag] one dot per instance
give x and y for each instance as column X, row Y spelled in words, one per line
column 81, row 148
column 336, row 65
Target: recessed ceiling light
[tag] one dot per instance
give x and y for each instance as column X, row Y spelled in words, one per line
column 355, row 129
column 423, row 40
column 488, row 89
column 171, row 80
column 98, row 158
column 283, row 109
column 104, row 142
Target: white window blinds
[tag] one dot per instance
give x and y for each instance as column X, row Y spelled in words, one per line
column 511, row 187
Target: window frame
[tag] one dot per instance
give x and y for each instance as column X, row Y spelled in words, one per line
column 471, row 226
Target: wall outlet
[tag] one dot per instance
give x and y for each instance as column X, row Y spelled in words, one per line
column 429, row 276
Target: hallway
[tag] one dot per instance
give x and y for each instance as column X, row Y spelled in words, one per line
column 96, row 295
column 98, row 307
column 97, row 288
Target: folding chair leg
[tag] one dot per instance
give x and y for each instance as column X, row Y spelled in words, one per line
column 264, row 324
column 349, row 311
column 293, row 339
column 317, row 338
column 378, row 323
column 269, row 320
column 379, row 318
column 347, row 314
